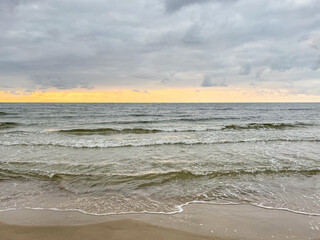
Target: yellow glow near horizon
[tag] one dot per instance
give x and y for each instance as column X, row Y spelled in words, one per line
column 164, row 95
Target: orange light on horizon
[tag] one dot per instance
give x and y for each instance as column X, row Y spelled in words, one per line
column 163, row 95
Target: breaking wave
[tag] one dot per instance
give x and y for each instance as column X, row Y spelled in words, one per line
column 5, row 125
column 143, row 180
column 107, row 131
column 257, row 126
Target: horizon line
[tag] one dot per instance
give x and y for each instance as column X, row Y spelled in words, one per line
column 161, row 102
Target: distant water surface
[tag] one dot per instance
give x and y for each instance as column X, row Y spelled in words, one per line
column 119, row 158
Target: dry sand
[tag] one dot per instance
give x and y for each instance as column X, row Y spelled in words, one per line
column 198, row 221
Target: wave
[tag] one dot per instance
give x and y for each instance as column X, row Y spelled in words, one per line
column 171, row 120
column 206, row 119
column 7, row 113
column 107, row 131
column 185, row 174
column 223, row 109
column 299, row 109
column 5, row 125
column 182, row 175
column 144, row 180
column 257, row 126
column 145, row 115
column 147, row 144
column 249, row 126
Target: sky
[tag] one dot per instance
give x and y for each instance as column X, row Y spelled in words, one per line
column 159, row 50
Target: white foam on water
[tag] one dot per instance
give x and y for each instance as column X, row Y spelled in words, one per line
column 180, row 209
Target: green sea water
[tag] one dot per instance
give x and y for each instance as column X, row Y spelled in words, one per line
column 124, row 158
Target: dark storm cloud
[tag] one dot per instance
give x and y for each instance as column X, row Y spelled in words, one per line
column 136, row 43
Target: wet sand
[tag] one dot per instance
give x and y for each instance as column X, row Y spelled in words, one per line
column 197, row 221
column 120, row 229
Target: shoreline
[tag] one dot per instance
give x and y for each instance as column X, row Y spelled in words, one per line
column 197, row 221
column 180, row 209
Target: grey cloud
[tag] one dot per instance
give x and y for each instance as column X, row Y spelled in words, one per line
column 137, row 90
column 167, row 78
column 133, row 44
column 7, row 8
column 45, row 81
column 316, row 65
column 245, row 69
column 193, row 36
column 208, row 82
column 15, row 93
column 314, row 41
column 9, row 5
column 301, row 87
column 259, row 73
column 175, row 5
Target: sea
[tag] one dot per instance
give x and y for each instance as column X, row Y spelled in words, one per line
column 119, row 158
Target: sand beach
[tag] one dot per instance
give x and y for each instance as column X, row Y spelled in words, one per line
column 197, row 221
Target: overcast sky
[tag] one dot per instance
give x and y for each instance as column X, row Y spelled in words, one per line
column 157, row 44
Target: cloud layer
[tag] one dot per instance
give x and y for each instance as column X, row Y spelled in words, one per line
column 141, row 44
